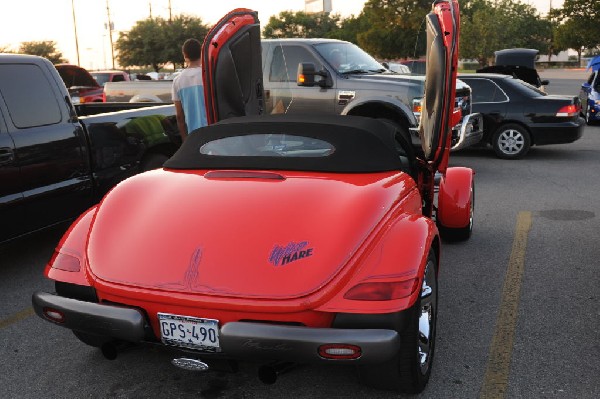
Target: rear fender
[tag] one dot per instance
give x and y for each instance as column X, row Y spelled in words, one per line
column 70, row 251
column 455, row 197
column 400, row 255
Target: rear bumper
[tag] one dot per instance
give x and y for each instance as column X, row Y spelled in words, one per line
column 237, row 339
column 467, row 133
column 470, row 131
column 558, row 133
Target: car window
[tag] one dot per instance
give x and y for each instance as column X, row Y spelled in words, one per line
column 284, row 66
column 268, row 145
column 28, row 95
column 485, row 91
column 348, row 58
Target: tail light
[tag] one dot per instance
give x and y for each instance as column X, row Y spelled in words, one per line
column 569, row 110
column 54, row 315
column 66, row 262
column 103, row 97
column 382, row 291
column 340, row 351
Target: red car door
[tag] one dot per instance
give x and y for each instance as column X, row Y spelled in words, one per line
column 232, row 67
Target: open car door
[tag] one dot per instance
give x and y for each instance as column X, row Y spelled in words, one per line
column 439, row 114
column 232, row 67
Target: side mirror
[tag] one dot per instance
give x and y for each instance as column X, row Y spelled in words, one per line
column 306, row 76
column 586, row 86
column 386, row 65
column 545, row 82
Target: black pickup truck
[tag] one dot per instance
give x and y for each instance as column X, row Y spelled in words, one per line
column 56, row 159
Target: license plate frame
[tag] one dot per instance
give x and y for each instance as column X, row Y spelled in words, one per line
column 189, row 332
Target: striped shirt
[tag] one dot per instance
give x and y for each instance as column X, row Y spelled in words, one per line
column 189, row 89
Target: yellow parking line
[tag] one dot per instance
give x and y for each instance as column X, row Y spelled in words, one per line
column 23, row 314
column 495, row 381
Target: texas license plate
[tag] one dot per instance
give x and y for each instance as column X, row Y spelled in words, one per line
column 189, row 332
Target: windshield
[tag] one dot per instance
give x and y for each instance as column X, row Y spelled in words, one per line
column 347, row 58
column 101, row 78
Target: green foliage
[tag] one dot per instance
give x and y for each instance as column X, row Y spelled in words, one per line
column 300, row 24
column 395, row 28
column 490, row 26
column 180, row 29
column 155, row 42
column 46, row 49
column 579, row 28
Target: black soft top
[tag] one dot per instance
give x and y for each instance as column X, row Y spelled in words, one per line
column 362, row 145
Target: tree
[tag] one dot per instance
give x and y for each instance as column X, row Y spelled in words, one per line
column 155, row 42
column 395, row 28
column 46, row 49
column 5, row 49
column 579, row 28
column 301, row 24
column 487, row 27
column 177, row 31
column 142, row 46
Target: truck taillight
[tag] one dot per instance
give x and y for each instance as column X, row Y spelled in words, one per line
column 417, row 106
column 569, row 110
column 382, row 290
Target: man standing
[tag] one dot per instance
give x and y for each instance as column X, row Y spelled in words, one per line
column 188, row 91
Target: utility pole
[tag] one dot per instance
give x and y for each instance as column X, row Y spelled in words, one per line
column 110, row 29
column 75, row 26
column 170, row 16
column 150, row 4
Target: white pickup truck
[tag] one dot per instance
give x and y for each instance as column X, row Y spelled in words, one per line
column 139, row 91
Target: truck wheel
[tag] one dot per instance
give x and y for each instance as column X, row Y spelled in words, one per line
column 410, row 369
column 511, row 141
column 153, row 161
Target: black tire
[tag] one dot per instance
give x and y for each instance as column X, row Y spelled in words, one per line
column 153, row 161
column 511, row 141
column 462, row 233
column 409, row 370
column 588, row 118
column 92, row 340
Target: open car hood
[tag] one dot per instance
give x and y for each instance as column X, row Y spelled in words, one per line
column 74, row 76
column 232, row 67
column 524, row 57
column 438, row 114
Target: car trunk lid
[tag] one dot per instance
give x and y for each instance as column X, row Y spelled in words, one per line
column 240, row 235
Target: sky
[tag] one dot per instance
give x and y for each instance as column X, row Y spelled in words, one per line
column 42, row 20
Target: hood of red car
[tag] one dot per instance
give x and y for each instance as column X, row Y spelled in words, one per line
column 244, row 235
column 75, row 76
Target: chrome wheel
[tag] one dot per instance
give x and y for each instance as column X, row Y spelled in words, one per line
column 511, row 142
column 427, row 317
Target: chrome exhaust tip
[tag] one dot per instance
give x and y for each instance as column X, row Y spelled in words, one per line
column 189, row 364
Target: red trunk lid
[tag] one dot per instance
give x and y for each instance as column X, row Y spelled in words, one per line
column 244, row 237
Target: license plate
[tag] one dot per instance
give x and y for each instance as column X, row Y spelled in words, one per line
column 189, row 332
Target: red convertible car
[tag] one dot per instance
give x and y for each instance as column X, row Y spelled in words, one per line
column 280, row 239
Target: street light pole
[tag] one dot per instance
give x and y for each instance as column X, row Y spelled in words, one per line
column 110, row 29
column 75, row 26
